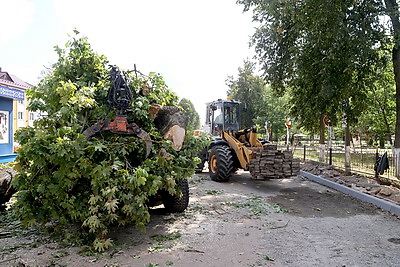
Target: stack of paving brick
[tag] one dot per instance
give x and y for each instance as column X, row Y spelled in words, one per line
column 270, row 163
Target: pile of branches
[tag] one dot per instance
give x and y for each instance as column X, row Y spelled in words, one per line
column 65, row 178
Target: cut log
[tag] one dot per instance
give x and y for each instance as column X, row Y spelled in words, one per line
column 6, row 190
column 177, row 135
column 171, row 122
column 154, row 109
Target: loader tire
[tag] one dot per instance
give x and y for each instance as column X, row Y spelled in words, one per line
column 173, row 203
column 220, row 164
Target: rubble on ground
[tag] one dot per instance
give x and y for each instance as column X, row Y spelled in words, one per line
column 363, row 183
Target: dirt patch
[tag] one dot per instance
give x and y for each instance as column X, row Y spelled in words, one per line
column 244, row 222
column 306, row 202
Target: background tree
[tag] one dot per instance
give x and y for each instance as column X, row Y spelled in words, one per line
column 191, row 114
column 392, row 10
column 249, row 90
column 378, row 121
column 320, row 52
column 260, row 103
column 275, row 112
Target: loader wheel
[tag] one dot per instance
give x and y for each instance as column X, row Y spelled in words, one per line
column 177, row 203
column 220, row 164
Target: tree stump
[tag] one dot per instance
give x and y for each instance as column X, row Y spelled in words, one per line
column 171, row 122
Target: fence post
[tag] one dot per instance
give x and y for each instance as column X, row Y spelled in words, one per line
column 396, row 152
column 330, row 156
column 304, row 155
column 375, row 165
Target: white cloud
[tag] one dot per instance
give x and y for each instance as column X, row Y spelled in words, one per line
column 16, row 16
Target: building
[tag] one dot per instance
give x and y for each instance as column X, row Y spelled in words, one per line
column 13, row 112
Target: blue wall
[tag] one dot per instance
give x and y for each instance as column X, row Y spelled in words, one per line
column 6, row 104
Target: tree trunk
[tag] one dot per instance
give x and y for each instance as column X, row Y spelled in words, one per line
column 171, row 122
column 347, row 160
column 322, row 140
column 392, row 10
column 386, row 122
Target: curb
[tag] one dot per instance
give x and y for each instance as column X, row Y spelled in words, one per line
column 383, row 204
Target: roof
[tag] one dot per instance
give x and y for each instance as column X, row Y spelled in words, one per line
column 13, row 81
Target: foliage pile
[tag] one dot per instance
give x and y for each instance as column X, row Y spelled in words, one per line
column 65, row 179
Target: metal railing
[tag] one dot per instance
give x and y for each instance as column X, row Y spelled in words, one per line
column 362, row 159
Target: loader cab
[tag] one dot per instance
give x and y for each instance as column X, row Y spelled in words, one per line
column 223, row 115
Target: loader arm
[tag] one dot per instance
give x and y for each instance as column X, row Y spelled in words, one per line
column 242, row 152
column 253, row 139
column 246, row 139
column 119, row 98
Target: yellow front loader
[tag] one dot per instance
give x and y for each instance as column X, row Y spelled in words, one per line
column 231, row 148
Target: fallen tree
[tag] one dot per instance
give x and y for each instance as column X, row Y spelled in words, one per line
column 65, row 178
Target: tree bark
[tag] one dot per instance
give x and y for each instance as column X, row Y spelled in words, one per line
column 321, row 130
column 322, row 146
column 392, row 9
column 171, row 122
column 387, row 126
column 347, row 164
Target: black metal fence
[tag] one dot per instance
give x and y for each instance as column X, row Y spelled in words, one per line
column 362, row 159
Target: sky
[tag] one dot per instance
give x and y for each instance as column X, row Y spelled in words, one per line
column 194, row 44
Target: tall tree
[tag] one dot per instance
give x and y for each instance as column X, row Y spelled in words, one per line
column 259, row 102
column 392, row 10
column 191, row 114
column 248, row 89
column 319, row 51
column 378, row 120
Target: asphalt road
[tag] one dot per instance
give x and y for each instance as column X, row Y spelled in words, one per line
column 244, row 222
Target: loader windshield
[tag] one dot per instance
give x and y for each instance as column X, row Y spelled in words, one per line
column 230, row 114
column 225, row 117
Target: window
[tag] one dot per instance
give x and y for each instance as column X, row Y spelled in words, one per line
column 21, row 102
column 20, row 115
column 31, row 116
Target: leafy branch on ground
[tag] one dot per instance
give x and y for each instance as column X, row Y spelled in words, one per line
column 257, row 206
column 161, row 241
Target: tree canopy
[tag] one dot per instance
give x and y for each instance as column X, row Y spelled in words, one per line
column 191, row 114
column 260, row 104
column 321, row 52
column 378, row 120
